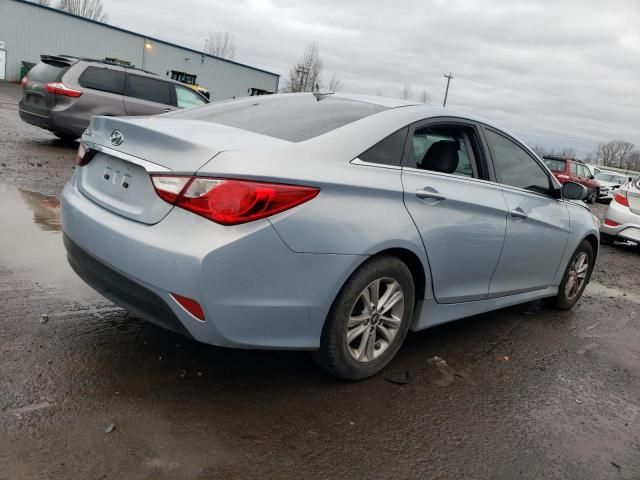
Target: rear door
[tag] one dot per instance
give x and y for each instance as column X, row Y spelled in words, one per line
column 459, row 212
column 147, row 96
column 537, row 224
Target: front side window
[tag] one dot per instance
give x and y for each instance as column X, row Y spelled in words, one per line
column 103, row 79
column 443, row 148
column 148, row 89
column 515, row 167
column 387, row 152
column 185, row 97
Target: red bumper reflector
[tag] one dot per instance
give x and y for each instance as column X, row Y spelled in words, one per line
column 190, row 306
column 610, row 223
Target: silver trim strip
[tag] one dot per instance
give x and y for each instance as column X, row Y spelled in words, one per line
column 357, row 161
column 148, row 166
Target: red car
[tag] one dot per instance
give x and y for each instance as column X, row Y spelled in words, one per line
column 572, row 170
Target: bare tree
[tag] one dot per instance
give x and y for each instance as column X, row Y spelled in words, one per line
column 221, row 44
column 306, row 72
column 407, row 92
column 335, row 85
column 85, row 8
column 540, row 150
column 616, row 153
column 424, row 96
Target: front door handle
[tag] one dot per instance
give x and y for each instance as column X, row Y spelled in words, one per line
column 429, row 193
column 519, row 213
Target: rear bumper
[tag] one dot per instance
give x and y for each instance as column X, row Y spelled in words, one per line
column 255, row 291
column 122, row 290
column 628, row 226
column 55, row 121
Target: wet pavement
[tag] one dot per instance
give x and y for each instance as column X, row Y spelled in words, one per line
column 91, row 392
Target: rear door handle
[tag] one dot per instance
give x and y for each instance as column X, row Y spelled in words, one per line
column 429, row 193
column 519, row 213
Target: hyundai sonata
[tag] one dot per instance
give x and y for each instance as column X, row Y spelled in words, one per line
column 331, row 223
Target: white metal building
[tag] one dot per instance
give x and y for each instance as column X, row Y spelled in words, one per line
column 28, row 30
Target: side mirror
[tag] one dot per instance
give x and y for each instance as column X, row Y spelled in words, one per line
column 573, row 191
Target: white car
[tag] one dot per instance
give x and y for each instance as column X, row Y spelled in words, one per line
column 610, row 182
column 622, row 220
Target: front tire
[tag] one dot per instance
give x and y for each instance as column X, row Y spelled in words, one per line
column 576, row 277
column 368, row 320
column 592, row 198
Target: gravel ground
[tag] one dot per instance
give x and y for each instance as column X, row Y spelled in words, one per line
column 91, row 392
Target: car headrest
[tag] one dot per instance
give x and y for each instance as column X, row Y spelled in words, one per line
column 442, row 157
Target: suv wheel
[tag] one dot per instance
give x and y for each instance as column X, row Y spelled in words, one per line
column 368, row 320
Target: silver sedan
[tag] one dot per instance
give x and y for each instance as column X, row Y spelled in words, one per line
column 331, row 223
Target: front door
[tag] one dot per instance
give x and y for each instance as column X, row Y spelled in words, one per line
column 537, row 224
column 461, row 215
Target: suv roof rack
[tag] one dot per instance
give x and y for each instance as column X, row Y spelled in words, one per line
column 560, row 157
column 105, row 61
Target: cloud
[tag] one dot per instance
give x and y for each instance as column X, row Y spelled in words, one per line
column 557, row 73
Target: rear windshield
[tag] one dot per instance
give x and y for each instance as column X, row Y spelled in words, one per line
column 47, row 72
column 292, row 118
column 555, row 165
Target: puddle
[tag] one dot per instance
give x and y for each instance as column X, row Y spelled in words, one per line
column 31, row 242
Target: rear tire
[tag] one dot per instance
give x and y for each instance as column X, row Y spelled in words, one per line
column 65, row 136
column 592, row 198
column 575, row 278
column 376, row 328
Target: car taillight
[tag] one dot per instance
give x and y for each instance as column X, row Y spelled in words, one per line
column 59, row 88
column 84, row 155
column 24, row 81
column 229, row 201
column 610, row 223
column 621, row 198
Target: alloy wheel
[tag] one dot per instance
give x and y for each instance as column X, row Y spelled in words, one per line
column 577, row 275
column 375, row 319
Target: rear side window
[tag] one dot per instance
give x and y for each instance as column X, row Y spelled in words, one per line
column 555, row 165
column 148, row 89
column 574, row 169
column 389, row 151
column 103, row 79
column 444, row 149
column 292, row 118
column 48, row 72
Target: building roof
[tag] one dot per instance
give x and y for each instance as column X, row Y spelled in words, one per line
column 146, row 37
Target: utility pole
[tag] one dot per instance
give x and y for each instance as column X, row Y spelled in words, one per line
column 302, row 75
column 446, row 92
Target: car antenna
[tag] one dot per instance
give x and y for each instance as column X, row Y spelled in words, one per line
column 320, row 95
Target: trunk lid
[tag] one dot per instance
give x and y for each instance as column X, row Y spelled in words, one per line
column 633, row 195
column 118, row 176
column 35, row 98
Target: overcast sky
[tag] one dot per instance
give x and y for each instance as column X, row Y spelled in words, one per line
column 562, row 73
